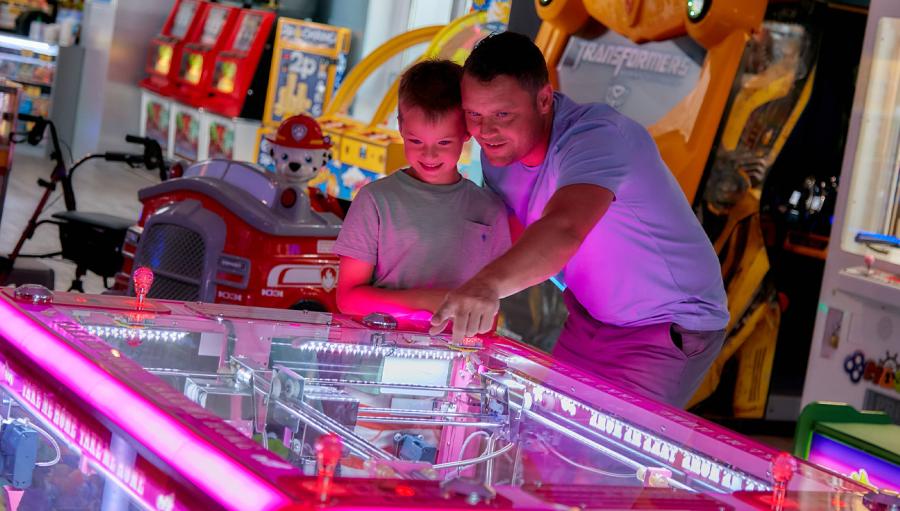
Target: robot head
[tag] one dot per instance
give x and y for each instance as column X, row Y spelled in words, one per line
column 299, row 149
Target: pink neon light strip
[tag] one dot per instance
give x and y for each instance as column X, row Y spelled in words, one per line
column 211, row 471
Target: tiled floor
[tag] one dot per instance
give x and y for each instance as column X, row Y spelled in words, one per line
column 99, row 186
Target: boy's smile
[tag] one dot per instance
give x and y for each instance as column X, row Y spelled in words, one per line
column 432, row 145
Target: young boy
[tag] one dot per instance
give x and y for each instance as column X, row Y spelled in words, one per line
column 410, row 237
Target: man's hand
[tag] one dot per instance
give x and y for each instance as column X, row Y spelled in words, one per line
column 545, row 247
column 471, row 307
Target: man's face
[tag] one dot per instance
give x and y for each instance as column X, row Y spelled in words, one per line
column 509, row 122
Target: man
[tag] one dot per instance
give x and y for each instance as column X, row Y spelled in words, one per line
column 647, row 306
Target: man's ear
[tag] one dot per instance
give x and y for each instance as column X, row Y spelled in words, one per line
column 545, row 99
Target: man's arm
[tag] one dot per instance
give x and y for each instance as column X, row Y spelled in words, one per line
column 543, row 250
column 356, row 296
column 515, row 228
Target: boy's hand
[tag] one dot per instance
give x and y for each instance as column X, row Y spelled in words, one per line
column 471, row 307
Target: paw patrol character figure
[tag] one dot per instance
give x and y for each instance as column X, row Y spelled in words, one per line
column 300, row 152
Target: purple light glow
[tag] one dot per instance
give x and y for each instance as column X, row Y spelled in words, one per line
column 210, row 470
column 848, row 461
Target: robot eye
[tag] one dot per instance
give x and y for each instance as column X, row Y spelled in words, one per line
column 284, row 156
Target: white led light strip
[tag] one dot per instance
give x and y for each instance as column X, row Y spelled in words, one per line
column 667, row 452
column 377, row 351
column 144, row 334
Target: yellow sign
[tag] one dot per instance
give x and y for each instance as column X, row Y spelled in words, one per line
column 306, row 61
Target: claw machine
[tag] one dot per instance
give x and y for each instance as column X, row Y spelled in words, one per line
column 252, row 408
column 855, row 355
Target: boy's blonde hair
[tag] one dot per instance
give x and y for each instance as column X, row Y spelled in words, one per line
column 432, row 86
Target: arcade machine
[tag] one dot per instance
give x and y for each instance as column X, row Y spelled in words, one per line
column 856, row 341
column 198, row 59
column 366, row 151
column 231, row 95
column 183, row 25
column 218, row 93
column 194, row 78
column 202, row 406
column 719, row 89
column 9, row 110
column 308, row 65
column 864, row 446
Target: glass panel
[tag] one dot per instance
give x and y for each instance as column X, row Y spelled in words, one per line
column 183, row 18
column 65, row 459
column 212, row 28
column 411, row 405
column 247, row 34
column 873, row 209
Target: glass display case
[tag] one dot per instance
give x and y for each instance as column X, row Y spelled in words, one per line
column 33, row 65
column 856, row 341
column 241, row 405
column 9, row 108
column 872, row 223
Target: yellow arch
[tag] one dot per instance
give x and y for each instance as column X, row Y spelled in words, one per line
column 389, row 102
column 344, row 95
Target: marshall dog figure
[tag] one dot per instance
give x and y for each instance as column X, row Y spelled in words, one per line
column 300, row 152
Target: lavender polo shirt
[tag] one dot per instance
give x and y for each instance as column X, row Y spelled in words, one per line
column 648, row 260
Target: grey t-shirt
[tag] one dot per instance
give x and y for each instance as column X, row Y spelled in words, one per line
column 419, row 235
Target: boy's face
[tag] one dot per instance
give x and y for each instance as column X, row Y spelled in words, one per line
column 432, row 147
column 508, row 121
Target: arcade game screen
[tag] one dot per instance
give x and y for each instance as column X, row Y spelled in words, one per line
column 183, row 18
column 247, row 33
column 212, row 28
column 854, row 462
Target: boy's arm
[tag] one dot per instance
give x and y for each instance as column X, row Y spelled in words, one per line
column 543, row 249
column 356, row 295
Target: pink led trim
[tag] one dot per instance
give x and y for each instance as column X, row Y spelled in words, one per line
column 211, row 471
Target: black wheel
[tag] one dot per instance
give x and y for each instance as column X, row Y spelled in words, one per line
column 309, row 305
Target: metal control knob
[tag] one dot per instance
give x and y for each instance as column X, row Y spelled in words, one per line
column 380, row 320
column 33, row 293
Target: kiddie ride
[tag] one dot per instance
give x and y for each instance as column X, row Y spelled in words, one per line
column 230, row 232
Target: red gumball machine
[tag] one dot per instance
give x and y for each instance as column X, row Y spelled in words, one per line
column 240, row 74
column 198, row 58
column 184, row 25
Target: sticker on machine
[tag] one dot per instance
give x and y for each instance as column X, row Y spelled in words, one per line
column 329, row 278
column 325, row 246
column 297, row 275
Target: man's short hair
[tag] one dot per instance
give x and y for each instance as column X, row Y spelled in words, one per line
column 432, row 86
column 509, row 54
